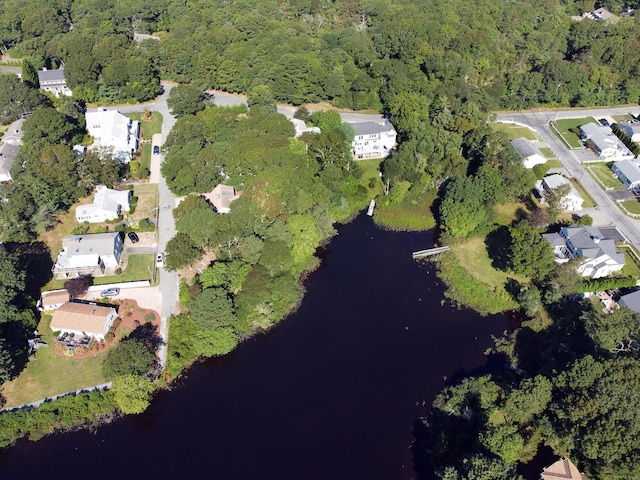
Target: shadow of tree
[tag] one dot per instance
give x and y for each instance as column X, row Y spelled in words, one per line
column 148, row 334
column 498, row 242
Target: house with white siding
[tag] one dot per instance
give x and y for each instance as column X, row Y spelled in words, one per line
column 113, row 131
column 373, row 139
column 599, row 255
column 108, row 204
column 88, row 254
column 604, row 143
column 83, row 319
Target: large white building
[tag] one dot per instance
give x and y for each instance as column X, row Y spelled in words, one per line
column 107, row 204
column 112, row 130
column 373, row 140
column 599, row 255
column 604, row 142
column 83, row 319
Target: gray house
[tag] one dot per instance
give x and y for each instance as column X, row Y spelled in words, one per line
column 628, row 173
column 89, row 254
column 631, row 301
column 53, row 81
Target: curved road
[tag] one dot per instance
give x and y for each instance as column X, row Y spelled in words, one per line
column 607, row 211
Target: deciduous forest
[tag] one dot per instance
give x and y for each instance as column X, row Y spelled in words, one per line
column 437, row 69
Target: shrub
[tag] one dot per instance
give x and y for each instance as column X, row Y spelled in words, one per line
column 118, row 271
column 132, row 205
column 104, row 229
column 150, row 317
column 81, row 230
column 109, row 337
column 145, row 225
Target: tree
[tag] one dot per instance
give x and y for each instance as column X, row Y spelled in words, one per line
column 213, row 309
column 261, row 98
column 132, row 393
column 16, row 98
column 529, row 253
column 503, row 441
column 78, row 285
column 615, row 332
column 326, row 120
column 186, row 100
column 50, row 126
column 12, row 284
column 555, row 198
column 130, row 356
column 29, row 74
column 181, row 252
column 462, row 209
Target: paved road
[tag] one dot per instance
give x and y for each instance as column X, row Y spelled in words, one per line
column 607, row 212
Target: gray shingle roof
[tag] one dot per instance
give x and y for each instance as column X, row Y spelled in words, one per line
column 46, row 76
column 525, row 148
column 631, row 301
column 370, row 128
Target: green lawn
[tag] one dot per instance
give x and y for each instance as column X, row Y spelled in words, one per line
column 603, row 173
column 588, row 201
column 472, row 255
column 148, row 127
column 514, row 131
column 632, row 206
column 631, row 268
column 139, row 267
column 48, row 374
column 371, row 175
column 565, row 126
column 506, row 213
column 547, row 152
column 145, row 157
column 554, row 163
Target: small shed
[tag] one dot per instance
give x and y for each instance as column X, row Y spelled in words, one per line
column 529, row 152
column 221, row 197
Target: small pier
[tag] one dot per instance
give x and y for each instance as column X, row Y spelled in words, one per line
column 372, row 205
column 429, row 252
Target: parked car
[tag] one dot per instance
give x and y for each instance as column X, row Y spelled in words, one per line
column 156, row 149
column 133, row 237
column 604, row 122
column 110, row 292
column 160, row 260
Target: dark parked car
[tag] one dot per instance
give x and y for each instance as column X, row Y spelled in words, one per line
column 133, row 237
column 604, row 122
column 156, row 150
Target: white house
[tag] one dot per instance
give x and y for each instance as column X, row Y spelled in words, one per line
column 221, row 197
column 107, row 204
column 301, row 127
column 83, row 319
column 53, row 300
column 90, row 254
column 529, row 152
column 604, row 142
column 53, row 81
column 632, row 129
column 599, row 254
column 628, row 172
column 112, row 130
column 373, row 140
column 571, row 202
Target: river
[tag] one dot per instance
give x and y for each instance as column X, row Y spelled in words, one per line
column 331, row 393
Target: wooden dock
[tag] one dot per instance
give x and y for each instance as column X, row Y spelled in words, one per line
column 372, row 205
column 429, row 252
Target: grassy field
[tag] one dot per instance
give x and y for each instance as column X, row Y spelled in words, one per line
column 631, row 269
column 147, row 194
column 633, row 206
column 588, row 201
column 472, row 255
column 602, row 172
column 547, row 152
column 554, row 163
column 47, row 374
column 371, row 176
column 148, row 127
column 514, row 131
column 566, row 125
column 506, row 213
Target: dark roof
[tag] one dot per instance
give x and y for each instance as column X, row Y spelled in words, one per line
column 51, row 75
column 370, row 128
column 631, row 301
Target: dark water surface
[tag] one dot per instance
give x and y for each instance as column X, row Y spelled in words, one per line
column 331, row 393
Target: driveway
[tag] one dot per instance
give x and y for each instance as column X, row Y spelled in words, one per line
column 147, row 297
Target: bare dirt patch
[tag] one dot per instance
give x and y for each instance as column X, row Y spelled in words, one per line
column 189, row 273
